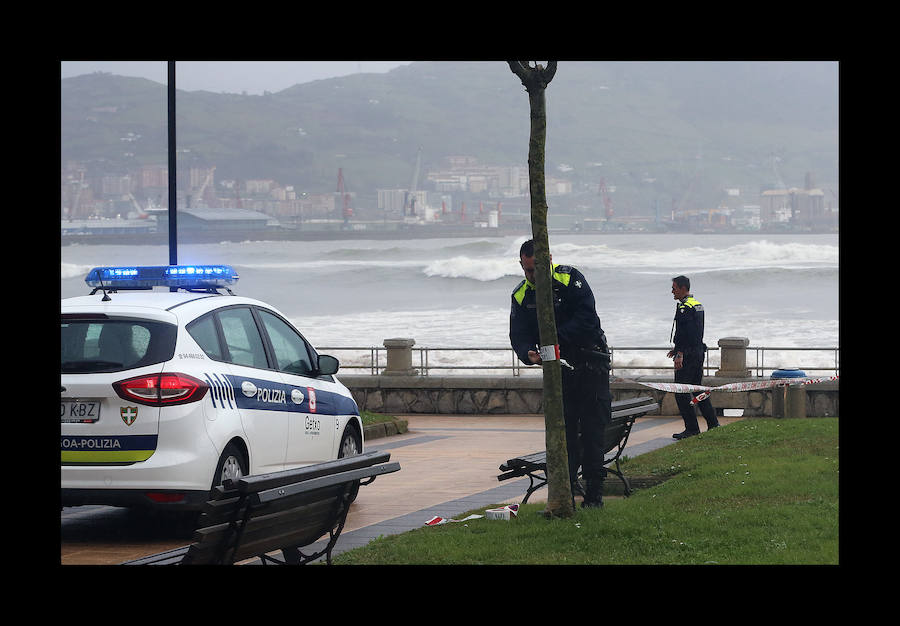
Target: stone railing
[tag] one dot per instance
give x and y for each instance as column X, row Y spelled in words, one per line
column 399, row 390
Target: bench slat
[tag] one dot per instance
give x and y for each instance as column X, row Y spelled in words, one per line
column 261, row 482
column 637, row 410
column 630, row 402
column 288, row 529
column 322, row 481
column 267, row 531
column 316, row 498
column 224, row 509
column 169, row 557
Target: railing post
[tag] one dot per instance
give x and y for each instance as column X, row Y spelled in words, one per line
column 733, row 362
column 399, row 357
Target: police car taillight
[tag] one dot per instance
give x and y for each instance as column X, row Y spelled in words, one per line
column 161, row 389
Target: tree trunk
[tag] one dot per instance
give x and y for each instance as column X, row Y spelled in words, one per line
column 559, row 490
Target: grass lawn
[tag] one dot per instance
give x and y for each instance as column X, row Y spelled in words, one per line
column 757, row 491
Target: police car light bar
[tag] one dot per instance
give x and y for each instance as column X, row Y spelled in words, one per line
column 147, row 277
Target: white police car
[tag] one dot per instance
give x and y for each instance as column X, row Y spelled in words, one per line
column 167, row 393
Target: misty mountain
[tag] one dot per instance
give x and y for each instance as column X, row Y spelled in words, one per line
column 651, row 129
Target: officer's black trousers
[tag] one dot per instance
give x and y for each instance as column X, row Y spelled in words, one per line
column 587, row 411
column 691, row 373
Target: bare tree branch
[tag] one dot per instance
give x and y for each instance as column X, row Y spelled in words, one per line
column 533, row 77
column 550, row 72
column 519, row 70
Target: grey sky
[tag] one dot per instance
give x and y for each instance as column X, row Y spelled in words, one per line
column 253, row 77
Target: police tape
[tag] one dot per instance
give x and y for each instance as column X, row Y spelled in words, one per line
column 730, row 387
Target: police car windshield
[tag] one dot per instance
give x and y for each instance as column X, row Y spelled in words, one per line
column 113, row 345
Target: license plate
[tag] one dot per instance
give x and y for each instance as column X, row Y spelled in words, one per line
column 79, row 411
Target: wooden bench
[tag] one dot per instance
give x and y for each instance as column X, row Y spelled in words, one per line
column 285, row 511
column 624, row 413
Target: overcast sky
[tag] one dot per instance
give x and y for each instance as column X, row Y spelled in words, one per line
column 253, row 77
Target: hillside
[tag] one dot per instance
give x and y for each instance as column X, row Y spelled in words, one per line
column 657, row 128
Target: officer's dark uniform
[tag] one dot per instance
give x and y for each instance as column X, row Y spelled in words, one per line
column 585, row 386
column 688, row 338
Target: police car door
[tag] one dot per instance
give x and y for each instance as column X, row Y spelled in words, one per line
column 257, row 390
column 312, row 420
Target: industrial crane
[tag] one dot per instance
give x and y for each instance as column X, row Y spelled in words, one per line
column 205, row 184
column 607, row 203
column 347, row 211
column 141, row 213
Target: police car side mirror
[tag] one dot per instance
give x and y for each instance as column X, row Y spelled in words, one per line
column 328, row 364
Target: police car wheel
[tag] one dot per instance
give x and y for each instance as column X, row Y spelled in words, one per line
column 231, row 466
column 349, row 446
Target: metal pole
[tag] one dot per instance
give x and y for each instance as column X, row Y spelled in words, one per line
column 173, row 199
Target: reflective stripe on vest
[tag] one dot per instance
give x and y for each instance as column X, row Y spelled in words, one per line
column 519, row 294
column 693, row 303
column 563, row 278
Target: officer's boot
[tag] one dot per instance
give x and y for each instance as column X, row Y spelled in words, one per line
column 709, row 413
column 691, row 428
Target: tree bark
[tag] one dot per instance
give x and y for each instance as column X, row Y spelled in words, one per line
column 559, row 490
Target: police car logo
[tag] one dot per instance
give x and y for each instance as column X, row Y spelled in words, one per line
column 129, row 414
column 296, row 396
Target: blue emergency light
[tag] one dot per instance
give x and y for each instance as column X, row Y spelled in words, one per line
column 149, row 276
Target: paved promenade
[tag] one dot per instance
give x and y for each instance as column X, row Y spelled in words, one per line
column 449, row 465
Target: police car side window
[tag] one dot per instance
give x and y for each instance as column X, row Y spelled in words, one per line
column 245, row 346
column 204, row 333
column 290, row 350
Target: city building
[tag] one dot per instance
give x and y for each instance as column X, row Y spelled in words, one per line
column 87, row 193
column 217, row 219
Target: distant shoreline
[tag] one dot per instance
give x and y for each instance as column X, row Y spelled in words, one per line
column 416, row 232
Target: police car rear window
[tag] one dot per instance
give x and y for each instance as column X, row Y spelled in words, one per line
column 89, row 345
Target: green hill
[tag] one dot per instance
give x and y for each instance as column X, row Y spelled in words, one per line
column 657, row 128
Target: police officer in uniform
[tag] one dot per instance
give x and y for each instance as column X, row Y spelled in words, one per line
column 585, row 368
column 688, row 354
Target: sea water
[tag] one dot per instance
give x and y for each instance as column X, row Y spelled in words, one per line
column 775, row 290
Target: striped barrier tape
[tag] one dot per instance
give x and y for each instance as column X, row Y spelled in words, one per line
column 732, row 387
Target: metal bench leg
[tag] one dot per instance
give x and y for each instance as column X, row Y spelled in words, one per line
column 532, row 487
column 621, row 476
column 295, row 556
